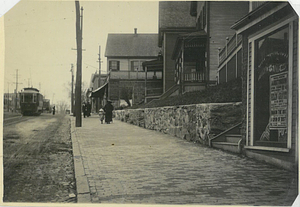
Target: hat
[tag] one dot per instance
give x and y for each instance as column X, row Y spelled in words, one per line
column 109, row 101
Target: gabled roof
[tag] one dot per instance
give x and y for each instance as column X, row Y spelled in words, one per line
column 132, row 45
column 175, row 14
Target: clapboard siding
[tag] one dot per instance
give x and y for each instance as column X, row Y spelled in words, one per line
column 295, row 85
column 169, row 64
column 222, row 15
column 244, row 73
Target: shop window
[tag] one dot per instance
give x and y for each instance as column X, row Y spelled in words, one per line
column 271, row 89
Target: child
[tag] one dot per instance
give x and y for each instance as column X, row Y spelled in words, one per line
column 101, row 114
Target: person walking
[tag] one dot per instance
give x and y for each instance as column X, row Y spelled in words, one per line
column 108, row 109
column 84, row 110
column 53, row 110
column 89, row 109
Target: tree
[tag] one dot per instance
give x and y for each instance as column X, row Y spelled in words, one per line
column 126, row 94
column 62, row 106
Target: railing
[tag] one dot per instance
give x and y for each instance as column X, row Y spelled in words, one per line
column 134, row 75
column 230, row 46
column 194, row 76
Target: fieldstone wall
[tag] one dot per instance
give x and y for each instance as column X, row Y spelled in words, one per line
column 196, row 123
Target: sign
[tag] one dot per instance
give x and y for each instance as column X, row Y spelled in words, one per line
column 278, row 100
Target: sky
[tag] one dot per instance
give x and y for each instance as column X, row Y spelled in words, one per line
column 40, row 38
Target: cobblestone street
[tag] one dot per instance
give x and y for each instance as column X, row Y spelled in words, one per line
column 127, row 164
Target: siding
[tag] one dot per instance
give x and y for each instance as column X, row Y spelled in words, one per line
column 169, row 64
column 222, row 75
column 295, row 87
column 231, row 69
column 222, row 16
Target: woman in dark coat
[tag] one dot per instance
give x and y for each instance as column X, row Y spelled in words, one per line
column 108, row 108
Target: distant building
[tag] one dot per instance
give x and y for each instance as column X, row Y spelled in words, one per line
column 96, row 92
column 125, row 55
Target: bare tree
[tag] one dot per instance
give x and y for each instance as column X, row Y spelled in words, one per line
column 126, row 94
column 62, row 106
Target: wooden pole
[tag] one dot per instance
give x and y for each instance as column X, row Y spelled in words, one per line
column 79, row 61
column 72, row 91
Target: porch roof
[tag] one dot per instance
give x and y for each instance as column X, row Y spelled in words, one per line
column 99, row 92
column 153, row 65
column 191, row 37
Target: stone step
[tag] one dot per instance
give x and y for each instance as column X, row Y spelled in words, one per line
column 233, row 138
column 227, row 146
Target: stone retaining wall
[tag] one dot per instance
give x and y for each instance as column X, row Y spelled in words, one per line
column 197, row 122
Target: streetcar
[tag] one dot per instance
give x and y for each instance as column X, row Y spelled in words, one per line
column 31, row 101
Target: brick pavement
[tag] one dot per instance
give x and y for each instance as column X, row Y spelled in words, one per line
column 122, row 163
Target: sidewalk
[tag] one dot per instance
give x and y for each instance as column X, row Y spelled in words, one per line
column 121, row 163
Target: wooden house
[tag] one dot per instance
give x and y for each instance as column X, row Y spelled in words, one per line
column 191, row 34
column 125, row 55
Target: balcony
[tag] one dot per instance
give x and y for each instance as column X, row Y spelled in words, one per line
column 134, row 75
column 193, row 77
column 232, row 43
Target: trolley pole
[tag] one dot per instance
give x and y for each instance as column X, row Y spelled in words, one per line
column 79, row 62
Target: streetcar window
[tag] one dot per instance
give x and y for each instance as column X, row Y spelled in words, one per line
column 34, row 98
column 27, row 98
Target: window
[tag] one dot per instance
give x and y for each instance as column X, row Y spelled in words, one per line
column 271, row 89
column 114, row 65
column 27, row 98
column 136, row 66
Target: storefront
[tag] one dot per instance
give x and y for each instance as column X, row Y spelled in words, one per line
column 270, row 64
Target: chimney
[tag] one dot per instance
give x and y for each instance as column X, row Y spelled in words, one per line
column 135, row 31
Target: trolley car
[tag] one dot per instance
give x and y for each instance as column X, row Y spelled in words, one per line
column 31, row 101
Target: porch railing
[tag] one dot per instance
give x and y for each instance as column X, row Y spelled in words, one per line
column 134, row 75
column 230, row 46
column 194, row 76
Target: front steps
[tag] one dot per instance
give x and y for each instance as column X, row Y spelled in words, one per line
column 231, row 143
column 229, row 140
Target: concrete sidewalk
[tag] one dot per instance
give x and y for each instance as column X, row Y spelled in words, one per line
column 122, row 163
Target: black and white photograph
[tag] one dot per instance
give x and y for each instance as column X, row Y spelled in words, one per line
column 149, row 103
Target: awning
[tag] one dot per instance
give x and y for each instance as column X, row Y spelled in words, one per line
column 99, row 92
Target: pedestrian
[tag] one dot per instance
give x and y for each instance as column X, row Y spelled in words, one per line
column 108, row 109
column 84, row 110
column 53, row 110
column 101, row 115
column 89, row 109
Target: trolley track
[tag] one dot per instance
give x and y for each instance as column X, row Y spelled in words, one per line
column 15, row 120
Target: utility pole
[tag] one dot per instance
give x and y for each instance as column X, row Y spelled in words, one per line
column 99, row 59
column 8, row 98
column 16, row 98
column 79, row 23
column 98, row 103
column 72, row 92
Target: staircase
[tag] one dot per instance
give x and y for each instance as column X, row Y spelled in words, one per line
column 229, row 140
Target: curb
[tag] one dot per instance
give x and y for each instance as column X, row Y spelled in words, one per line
column 82, row 187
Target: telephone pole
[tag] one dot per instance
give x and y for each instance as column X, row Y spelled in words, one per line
column 16, row 98
column 98, row 103
column 72, row 92
column 79, row 24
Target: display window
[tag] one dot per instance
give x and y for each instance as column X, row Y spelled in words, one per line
column 271, row 85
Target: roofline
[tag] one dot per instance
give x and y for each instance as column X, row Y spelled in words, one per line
column 131, row 57
column 173, row 30
column 259, row 11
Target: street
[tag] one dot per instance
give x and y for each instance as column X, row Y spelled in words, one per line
column 37, row 158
